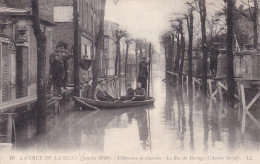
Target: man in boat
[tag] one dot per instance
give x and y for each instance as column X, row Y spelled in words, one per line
column 143, row 73
column 101, row 93
column 139, row 93
column 87, row 92
column 129, row 93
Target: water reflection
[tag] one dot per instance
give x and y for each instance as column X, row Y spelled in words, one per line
column 82, row 130
column 175, row 124
column 181, row 115
column 191, row 123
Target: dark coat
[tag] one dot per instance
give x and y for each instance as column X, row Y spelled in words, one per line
column 143, row 70
column 57, row 69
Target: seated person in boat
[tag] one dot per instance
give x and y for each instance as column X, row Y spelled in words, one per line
column 101, row 93
column 139, row 93
column 129, row 93
column 87, row 92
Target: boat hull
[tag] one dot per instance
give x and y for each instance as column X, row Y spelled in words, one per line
column 115, row 104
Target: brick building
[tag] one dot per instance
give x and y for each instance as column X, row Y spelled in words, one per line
column 18, row 54
column 61, row 13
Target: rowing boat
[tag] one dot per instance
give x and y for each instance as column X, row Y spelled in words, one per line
column 114, row 104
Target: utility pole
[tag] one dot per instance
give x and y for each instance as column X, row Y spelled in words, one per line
column 76, row 49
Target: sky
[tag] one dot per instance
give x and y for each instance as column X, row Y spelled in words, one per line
column 146, row 19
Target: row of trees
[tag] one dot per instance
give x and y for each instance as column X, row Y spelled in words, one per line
column 140, row 46
column 224, row 27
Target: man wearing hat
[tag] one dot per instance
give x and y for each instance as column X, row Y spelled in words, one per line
column 143, row 73
column 129, row 93
column 57, row 73
column 101, row 92
column 65, row 55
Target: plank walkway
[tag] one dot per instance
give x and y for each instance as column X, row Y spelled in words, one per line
column 17, row 103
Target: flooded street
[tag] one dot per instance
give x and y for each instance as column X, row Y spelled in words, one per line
column 170, row 126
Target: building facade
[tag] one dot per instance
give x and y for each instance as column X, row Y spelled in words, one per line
column 18, row 54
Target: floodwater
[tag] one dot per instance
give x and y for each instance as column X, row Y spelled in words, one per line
column 171, row 126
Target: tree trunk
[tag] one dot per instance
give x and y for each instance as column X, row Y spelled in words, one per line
column 99, row 46
column 126, row 60
column 117, row 57
column 41, row 64
column 255, row 23
column 166, row 58
column 136, row 59
column 172, row 53
column 77, row 50
column 190, row 31
column 229, row 39
column 177, row 59
column 41, row 58
column 202, row 7
column 182, row 57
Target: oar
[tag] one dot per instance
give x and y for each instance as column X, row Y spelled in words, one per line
column 84, row 103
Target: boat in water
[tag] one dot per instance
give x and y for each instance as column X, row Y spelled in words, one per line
column 112, row 104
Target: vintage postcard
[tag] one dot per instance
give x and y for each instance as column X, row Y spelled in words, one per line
column 129, row 81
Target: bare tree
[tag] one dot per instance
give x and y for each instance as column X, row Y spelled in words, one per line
column 177, row 58
column 99, row 43
column 167, row 40
column 41, row 58
column 189, row 19
column 252, row 15
column 119, row 35
column 202, row 11
column 229, row 40
column 76, row 50
column 182, row 47
column 128, row 41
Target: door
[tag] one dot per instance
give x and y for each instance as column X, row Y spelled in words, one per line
column 12, row 75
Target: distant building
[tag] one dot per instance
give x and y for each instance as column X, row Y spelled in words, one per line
column 110, row 46
column 18, row 54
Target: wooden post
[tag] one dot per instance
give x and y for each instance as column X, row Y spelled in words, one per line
column 9, row 129
column 242, row 89
column 220, row 91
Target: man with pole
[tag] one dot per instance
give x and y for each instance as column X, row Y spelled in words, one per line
column 143, row 73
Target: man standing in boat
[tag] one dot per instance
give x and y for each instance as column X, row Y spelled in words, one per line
column 143, row 73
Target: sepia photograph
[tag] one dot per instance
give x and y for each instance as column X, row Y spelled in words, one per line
column 129, row 81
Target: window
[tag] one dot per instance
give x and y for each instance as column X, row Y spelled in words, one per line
column 63, row 14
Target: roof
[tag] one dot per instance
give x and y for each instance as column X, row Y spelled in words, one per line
column 13, row 11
